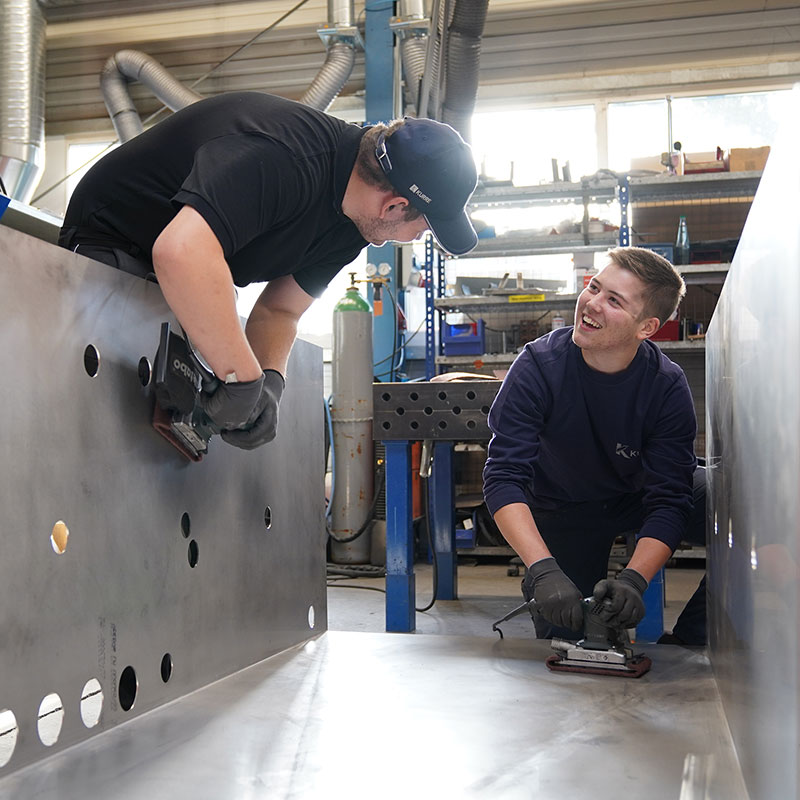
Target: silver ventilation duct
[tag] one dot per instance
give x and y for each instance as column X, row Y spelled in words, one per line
column 452, row 64
column 411, row 28
column 22, row 33
column 339, row 35
column 131, row 65
column 462, row 63
column 341, row 38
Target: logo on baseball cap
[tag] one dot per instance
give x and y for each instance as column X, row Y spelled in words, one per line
column 432, row 167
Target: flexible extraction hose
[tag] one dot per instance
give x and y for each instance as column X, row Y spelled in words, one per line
column 132, row 65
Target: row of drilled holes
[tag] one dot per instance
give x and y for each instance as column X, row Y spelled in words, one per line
column 50, row 718
column 428, row 411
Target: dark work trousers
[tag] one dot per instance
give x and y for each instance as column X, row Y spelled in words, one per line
column 115, row 257
column 580, row 537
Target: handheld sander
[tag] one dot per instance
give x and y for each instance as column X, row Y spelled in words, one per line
column 180, row 378
column 603, row 650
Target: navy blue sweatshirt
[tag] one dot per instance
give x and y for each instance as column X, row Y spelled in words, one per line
column 564, row 433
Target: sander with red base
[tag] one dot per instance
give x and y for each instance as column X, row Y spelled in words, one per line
column 603, row 650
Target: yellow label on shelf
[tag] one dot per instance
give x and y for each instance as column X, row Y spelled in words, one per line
column 525, row 298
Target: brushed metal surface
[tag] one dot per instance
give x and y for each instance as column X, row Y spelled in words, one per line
column 81, row 450
column 753, row 450
column 362, row 716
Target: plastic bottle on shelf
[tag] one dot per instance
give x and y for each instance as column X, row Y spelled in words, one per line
column 682, row 242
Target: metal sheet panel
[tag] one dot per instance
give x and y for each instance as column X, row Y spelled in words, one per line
column 753, row 448
column 397, row 716
column 81, row 450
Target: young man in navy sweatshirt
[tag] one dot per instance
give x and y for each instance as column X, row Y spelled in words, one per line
column 593, row 436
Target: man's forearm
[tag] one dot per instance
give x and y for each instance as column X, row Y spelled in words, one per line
column 649, row 556
column 271, row 335
column 518, row 527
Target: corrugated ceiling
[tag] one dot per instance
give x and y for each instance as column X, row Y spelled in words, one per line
column 544, row 52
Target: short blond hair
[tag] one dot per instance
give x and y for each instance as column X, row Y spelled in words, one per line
column 664, row 286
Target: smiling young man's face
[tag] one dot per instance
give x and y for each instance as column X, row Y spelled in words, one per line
column 609, row 319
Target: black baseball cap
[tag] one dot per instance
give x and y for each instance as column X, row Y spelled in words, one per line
column 432, row 167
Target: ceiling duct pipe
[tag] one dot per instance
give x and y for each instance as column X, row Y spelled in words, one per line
column 341, row 38
column 22, row 60
column 412, row 29
column 462, row 64
column 132, row 65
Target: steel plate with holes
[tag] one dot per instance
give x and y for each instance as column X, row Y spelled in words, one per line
column 130, row 577
column 450, row 411
column 336, row 717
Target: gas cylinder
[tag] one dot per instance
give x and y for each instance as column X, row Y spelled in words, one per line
column 351, row 419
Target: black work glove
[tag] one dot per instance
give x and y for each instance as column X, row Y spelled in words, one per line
column 262, row 425
column 621, row 600
column 554, row 595
column 232, row 404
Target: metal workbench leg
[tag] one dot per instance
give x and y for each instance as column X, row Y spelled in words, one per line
column 441, row 503
column 400, row 588
column 652, row 626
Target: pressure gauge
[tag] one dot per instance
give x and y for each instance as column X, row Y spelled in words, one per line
column 372, row 270
column 384, row 269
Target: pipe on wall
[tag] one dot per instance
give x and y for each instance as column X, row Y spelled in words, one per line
column 22, row 64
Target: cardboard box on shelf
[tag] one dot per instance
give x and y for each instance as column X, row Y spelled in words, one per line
column 747, row 159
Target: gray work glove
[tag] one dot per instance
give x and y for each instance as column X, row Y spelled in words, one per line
column 621, row 600
column 262, row 425
column 554, row 595
column 232, row 404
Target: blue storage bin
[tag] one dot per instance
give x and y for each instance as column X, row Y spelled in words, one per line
column 665, row 250
column 464, row 339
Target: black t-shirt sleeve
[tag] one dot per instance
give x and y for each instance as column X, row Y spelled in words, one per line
column 314, row 279
column 242, row 185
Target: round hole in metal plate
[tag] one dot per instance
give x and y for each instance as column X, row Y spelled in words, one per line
column 456, row 409
column 128, row 688
column 413, row 424
column 413, row 396
column 442, row 395
column 311, row 617
column 386, row 425
column 194, row 553
column 427, row 411
column 267, row 517
column 8, row 735
column 166, row 667
column 50, row 719
column 470, row 395
column 386, row 397
column 145, row 371
column 91, row 702
column 471, row 423
column 59, row 537
column 91, row 360
column 442, row 424
column 400, row 411
column 484, row 409
column 186, row 525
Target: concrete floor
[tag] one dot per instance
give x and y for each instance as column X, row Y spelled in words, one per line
column 486, row 593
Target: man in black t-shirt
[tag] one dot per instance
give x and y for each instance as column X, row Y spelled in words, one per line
column 249, row 187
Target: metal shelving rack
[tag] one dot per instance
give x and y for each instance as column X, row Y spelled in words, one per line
column 605, row 187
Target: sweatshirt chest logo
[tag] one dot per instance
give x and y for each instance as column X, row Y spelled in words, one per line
column 626, row 451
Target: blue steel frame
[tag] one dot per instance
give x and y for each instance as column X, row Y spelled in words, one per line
column 400, row 582
column 441, row 501
column 430, row 320
column 624, row 201
column 379, row 82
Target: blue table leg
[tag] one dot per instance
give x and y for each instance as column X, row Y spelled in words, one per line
column 652, row 626
column 400, row 588
column 441, row 502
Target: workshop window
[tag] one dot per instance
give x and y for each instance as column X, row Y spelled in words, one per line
column 638, row 130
